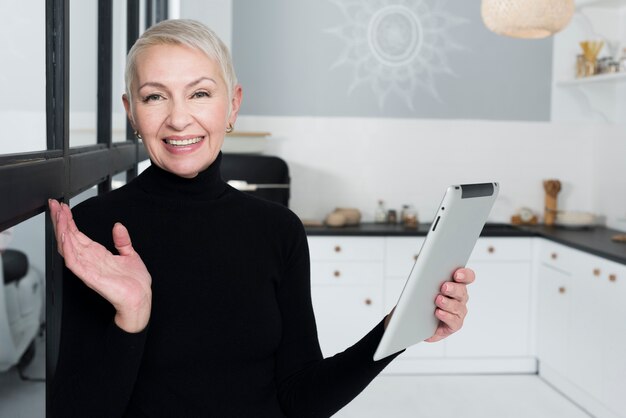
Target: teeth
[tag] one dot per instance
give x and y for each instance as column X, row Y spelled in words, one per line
column 182, row 142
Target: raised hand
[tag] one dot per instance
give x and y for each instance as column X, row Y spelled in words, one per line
column 452, row 304
column 122, row 279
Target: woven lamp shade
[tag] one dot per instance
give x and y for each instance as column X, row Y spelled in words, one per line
column 527, row 18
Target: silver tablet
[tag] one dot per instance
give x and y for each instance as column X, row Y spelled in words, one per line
column 447, row 247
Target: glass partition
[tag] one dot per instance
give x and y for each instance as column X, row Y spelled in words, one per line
column 23, row 77
column 119, row 62
column 83, row 72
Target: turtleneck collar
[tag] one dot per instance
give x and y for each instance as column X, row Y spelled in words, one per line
column 207, row 185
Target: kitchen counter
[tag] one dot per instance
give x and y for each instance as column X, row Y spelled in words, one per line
column 395, row 230
column 596, row 241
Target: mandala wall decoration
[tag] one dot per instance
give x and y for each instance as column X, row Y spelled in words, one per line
column 395, row 47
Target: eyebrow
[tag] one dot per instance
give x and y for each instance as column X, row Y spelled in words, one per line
column 163, row 86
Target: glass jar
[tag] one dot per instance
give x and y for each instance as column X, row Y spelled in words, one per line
column 380, row 215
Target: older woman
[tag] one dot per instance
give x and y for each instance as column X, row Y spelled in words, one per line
column 207, row 311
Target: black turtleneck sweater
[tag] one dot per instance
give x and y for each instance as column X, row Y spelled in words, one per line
column 231, row 332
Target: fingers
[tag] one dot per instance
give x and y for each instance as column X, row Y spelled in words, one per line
column 121, row 239
column 457, row 289
column 452, row 304
column 57, row 223
column 464, row 275
column 450, row 311
column 63, row 225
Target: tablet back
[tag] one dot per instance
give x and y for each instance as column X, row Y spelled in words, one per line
column 447, row 247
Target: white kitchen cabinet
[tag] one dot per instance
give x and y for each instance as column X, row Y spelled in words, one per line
column 581, row 331
column 357, row 280
column 586, row 330
column 346, row 288
column 553, row 304
column 612, row 308
column 498, row 320
column 344, row 314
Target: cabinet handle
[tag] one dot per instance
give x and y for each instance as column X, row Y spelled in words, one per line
column 368, row 301
column 337, row 248
column 596, row 272
column 491, row 249
column 553, row 256
column 562, row 289
column 337, row 273
column 415, row 257
column 612, row 277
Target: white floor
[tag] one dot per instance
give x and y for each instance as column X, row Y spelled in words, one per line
column 25, row 399
column 465, row 396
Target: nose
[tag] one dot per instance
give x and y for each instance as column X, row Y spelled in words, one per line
column 179, row 117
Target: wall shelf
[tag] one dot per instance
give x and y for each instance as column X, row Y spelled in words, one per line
column 601, row 78
column 598, row 98
column 613, row 4
column 245, row 142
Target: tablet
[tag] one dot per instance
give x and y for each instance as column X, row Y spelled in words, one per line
column 447, row 247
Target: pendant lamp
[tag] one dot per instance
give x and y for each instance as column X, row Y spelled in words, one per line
column 531, row 19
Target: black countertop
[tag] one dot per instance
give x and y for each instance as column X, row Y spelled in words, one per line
column 595, row 241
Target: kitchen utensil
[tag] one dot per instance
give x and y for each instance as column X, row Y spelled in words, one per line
column 352, row 215
column 591, row 49
column 574, row 219
column 335, row 219
column 552, row 189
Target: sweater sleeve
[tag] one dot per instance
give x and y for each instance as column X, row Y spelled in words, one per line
column 98, row 362
column 309, row 385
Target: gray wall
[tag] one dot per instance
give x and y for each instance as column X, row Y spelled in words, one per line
column 313, row 58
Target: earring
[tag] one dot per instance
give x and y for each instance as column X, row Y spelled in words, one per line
column 230, row 128
column 138, row 135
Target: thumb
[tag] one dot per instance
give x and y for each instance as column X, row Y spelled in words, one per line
column 121, row 239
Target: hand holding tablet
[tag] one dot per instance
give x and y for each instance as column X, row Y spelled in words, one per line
column 448, row 245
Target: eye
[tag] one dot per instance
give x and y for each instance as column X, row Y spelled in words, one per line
column 201, row 95
column 152, row 98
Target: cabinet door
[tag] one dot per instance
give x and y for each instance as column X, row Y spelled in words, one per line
column 400, row 255
column 344, row 314
column 498, row 321
column 337, row 248
column 613, row 308
column 587, row 332
column 554, row 289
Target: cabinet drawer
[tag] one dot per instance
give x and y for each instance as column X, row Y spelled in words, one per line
column 346, row 273
column 345, row 314
column 557, row 255
column 346, row 248
column 502, row 249
column 400, row 255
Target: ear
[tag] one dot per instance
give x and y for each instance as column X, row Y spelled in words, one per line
column 235, row 104
column 129, row 111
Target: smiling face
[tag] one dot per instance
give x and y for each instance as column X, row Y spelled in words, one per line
column 181, row 107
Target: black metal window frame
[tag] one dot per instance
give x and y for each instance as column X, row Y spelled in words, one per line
column 28, row 180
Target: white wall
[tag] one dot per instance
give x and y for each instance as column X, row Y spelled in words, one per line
column 354, row 162
column 609, row 176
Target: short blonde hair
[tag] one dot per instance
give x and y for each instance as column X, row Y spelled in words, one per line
column 181, row 32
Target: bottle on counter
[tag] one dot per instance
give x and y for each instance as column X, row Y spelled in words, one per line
column 380, row 215
column 392, row 216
